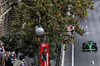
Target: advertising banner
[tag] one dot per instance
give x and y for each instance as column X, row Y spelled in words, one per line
column 44, row 54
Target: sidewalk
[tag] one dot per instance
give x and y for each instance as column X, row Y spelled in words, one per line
column 68, row 55
column 17, row 63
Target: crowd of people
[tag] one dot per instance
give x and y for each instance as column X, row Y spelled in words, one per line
column 7, row 58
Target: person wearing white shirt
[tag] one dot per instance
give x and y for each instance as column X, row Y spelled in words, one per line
column 23, row 63
column 12, row 61
column 2, row 57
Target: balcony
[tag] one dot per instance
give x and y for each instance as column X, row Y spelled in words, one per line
column 3, row 2
column 15, row 1
column 6, row 11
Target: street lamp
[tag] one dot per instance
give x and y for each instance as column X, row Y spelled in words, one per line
column 39, row 32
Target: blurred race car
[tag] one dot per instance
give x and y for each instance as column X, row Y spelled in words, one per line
column 89, row 46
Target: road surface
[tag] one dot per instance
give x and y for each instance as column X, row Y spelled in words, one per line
column 92, row 25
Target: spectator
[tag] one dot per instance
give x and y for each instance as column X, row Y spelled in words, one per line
column 13, row 54
column 23, row 63
column 12, row 60
column 16, row 52
column 31, row 61
column 6, row 60
column 2, row 57
column 9, row 60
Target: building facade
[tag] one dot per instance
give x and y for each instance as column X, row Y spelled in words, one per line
column 6, row 15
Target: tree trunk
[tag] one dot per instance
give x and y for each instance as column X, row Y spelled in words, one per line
column 58, row 56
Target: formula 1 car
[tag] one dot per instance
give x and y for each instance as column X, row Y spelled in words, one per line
column 89, row 46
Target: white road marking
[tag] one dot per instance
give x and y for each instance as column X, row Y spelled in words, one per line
column 63, row 55
column 93, row 63
column 85, row 20
column 87, row 33
column 92, row 32
column 72, row 55
column 86, row 26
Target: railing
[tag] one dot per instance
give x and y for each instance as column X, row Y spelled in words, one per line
column 3, row 2
column 10, row 1
column 15, row 1
column 6, row 11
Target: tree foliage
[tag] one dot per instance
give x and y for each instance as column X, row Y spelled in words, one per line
column 53, row 20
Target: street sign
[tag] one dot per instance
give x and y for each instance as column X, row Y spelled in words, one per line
column 44, row 54
column 69, row 33
column 69, row 29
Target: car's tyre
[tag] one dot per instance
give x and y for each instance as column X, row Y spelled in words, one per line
column 96, row 48
column 93, row 46
column 83, row 46
column 83, row 50
column 94, row 43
